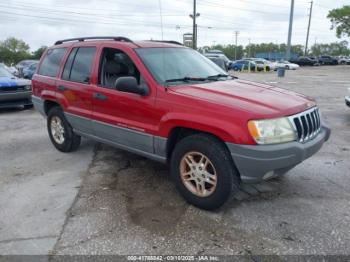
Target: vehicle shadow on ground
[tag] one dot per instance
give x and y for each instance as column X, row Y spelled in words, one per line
column 146, row 189
column 13, row 110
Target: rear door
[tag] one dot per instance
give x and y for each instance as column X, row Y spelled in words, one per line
column 74, row 89
column 44, row 82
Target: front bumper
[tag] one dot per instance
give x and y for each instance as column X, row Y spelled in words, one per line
column 347, row 101
column 12, row 99
column 261, row 162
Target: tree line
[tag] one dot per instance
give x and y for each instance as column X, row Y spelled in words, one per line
column 333, row 49
column 13, row 50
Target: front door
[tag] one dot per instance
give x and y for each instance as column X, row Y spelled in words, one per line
column 125, row 119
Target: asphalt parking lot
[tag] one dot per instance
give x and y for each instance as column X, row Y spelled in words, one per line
column 101, row 200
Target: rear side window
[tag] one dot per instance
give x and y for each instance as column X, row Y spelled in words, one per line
column 51, row 62
column 78, row 65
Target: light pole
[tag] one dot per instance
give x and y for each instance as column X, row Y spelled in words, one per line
column 236, row 33
column 249, row 47
column 290, row 30
column 308, row 29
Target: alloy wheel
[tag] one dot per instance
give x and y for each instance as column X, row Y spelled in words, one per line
column 198, row 174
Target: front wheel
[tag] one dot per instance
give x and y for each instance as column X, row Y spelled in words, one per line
column 203, row 171
column 60, row 132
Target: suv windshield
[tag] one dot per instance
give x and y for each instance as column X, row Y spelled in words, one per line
column 180, row 64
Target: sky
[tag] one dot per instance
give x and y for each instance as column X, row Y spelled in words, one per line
column 42, row 22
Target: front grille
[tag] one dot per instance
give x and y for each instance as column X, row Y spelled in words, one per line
column 307, row 124
column 12, row 88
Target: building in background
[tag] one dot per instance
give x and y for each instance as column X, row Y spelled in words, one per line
column 187, row 39
column 275, row 55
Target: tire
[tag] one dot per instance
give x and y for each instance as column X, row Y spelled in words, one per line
column 287, row 67
column 235, row 68
column 218, row 162
column 69, row 140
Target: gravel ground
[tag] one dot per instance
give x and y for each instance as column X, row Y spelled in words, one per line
column 107, row 201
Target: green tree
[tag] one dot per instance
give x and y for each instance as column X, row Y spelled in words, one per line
column 340, row 19
column 38, row 53
column 13, row 50
column 334, row 49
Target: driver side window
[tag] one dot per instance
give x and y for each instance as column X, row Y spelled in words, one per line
column 115, row 63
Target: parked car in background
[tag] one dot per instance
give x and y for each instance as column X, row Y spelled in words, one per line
column 29, row 71
column 261, row 61
column 287, row 65
column 347, row 98
column 11, row 69
column 304, row 61
column 219, row 61
column 212, row 129
column 263, row 64
column 23, row 64
column 14, row 91
column 327, row 60
column 219, row 55
column 344, row 60
column 245, row 64
column 214, row 51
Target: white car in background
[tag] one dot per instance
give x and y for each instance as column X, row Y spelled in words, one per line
column 344, row 60
column 347, row 98
column 11, row 69
column 269, row 64
column 287, row 65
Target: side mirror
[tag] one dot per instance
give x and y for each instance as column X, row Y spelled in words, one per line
column 129, row 84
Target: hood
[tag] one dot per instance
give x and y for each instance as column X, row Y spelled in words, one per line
column 261, row 99
column 13, row 81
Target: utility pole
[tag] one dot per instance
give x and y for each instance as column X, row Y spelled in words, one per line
column 308, row 28
column 236, row 33
column 194, row 25
column 290, row 29
column 194, row 33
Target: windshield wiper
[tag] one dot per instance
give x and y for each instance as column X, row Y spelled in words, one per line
column 216, row 77
column 186, row 79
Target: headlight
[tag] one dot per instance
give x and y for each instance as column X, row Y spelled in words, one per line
column 28, row 87
column 272, row 131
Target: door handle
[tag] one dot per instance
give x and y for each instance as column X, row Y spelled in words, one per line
column 99, row 96
column 62, row 88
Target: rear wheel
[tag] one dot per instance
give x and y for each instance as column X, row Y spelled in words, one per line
column 60, row 132
column 203, row 171
column 235, row 68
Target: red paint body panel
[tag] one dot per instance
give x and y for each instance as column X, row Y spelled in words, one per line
column 222, row 108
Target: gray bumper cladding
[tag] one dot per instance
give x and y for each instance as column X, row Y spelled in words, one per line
column 38, row 104
column 255, row 161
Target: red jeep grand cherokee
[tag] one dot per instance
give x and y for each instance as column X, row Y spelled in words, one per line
column 171, row 104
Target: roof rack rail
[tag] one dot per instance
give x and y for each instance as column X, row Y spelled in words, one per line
column 167, row 41
column 81, row 39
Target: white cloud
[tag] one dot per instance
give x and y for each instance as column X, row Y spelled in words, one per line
column 42, row 22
